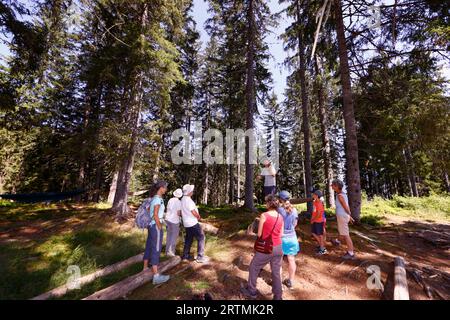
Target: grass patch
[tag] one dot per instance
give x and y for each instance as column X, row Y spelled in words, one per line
column 432, row 208
column 32, row 265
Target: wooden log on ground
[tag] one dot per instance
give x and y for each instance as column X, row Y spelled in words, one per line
column 62, row 290
column 400, row 281
column 122, row 288
column 209, row 228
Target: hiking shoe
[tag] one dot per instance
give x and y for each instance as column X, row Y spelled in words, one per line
column 188, row 258
column 159, row 278
column 335, row 242
column 170, row 255
column 322, row 251
column 288, row 283
column 246, row 292
column 203, row 259
column 348, row 256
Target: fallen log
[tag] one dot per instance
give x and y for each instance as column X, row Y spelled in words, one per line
column 401, row 283
column 122, row 288
column 363, row 236
column 62, row 290
column 206, row 227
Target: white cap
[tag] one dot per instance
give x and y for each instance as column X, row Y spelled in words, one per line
column 188, row 188
column 178, row 193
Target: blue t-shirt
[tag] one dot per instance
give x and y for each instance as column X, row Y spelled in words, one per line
column 157, row 200
column 290, row 220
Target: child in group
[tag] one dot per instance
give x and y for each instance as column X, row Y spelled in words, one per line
column 343, row 216
column 172, row 219
column 289, row 239
column 318, row 221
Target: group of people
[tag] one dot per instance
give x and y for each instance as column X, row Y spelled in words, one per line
column 276, row 228
column 277, row 225
column 180, row 209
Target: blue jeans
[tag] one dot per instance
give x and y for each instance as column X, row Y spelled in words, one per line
column 191, row 233
column 153, row 246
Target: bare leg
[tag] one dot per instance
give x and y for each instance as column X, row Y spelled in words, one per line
column 292, row 267
column 145, row 264
column 155, row 269
column 349, row 243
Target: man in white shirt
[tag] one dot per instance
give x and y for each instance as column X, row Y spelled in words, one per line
column 173, row 220
column 269, row 173
column 190, row 215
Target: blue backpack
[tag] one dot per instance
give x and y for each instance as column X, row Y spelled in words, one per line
column 143, row 218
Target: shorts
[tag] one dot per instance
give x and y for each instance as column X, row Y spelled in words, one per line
column 342, row 224
column 317, row 228
column 290, row 246
column 269, row 190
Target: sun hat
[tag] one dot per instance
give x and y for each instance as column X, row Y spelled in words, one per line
column 178, row 193
column 284, row 195
column 188, row 188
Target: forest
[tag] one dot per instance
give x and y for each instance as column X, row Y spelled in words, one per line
column 92, row 90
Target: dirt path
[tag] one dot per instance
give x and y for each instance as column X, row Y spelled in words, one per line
column 317, row 277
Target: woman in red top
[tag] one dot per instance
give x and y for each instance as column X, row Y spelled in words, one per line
column 270, row 224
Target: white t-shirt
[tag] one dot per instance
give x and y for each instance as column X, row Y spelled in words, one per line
column 269, row 176
column 173, row 206
column 187, row 205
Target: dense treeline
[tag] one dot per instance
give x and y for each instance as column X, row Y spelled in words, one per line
column 93, row 89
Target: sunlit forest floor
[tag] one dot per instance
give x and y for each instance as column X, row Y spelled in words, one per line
column 39, row 242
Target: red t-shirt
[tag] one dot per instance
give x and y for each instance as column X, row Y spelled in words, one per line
column 317, row 215
column 268, row 226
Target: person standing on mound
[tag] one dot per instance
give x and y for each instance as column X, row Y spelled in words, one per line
column 290, row 244
column 190, row 216
column 270, row 228
column 270, row 181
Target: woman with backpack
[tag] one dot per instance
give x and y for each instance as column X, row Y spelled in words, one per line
column 153, row 245
column 268, row 249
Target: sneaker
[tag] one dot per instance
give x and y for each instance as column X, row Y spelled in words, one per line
column 246, row 292
column 348, row 256
column 159, row 278
column 336, row 242
column 288, row 283
column 170, row 255
column 203, row 259
column 188, row 258
column 322, row 251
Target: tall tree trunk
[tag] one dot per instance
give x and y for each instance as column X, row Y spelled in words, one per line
column 446, row 181
column 231, row 184
column 250, row 97
column 351, row 141
column 411, row 174
column 323, row 118
column 113, row 187
column 120, row 204
column 305, row 112
column 98, row 180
